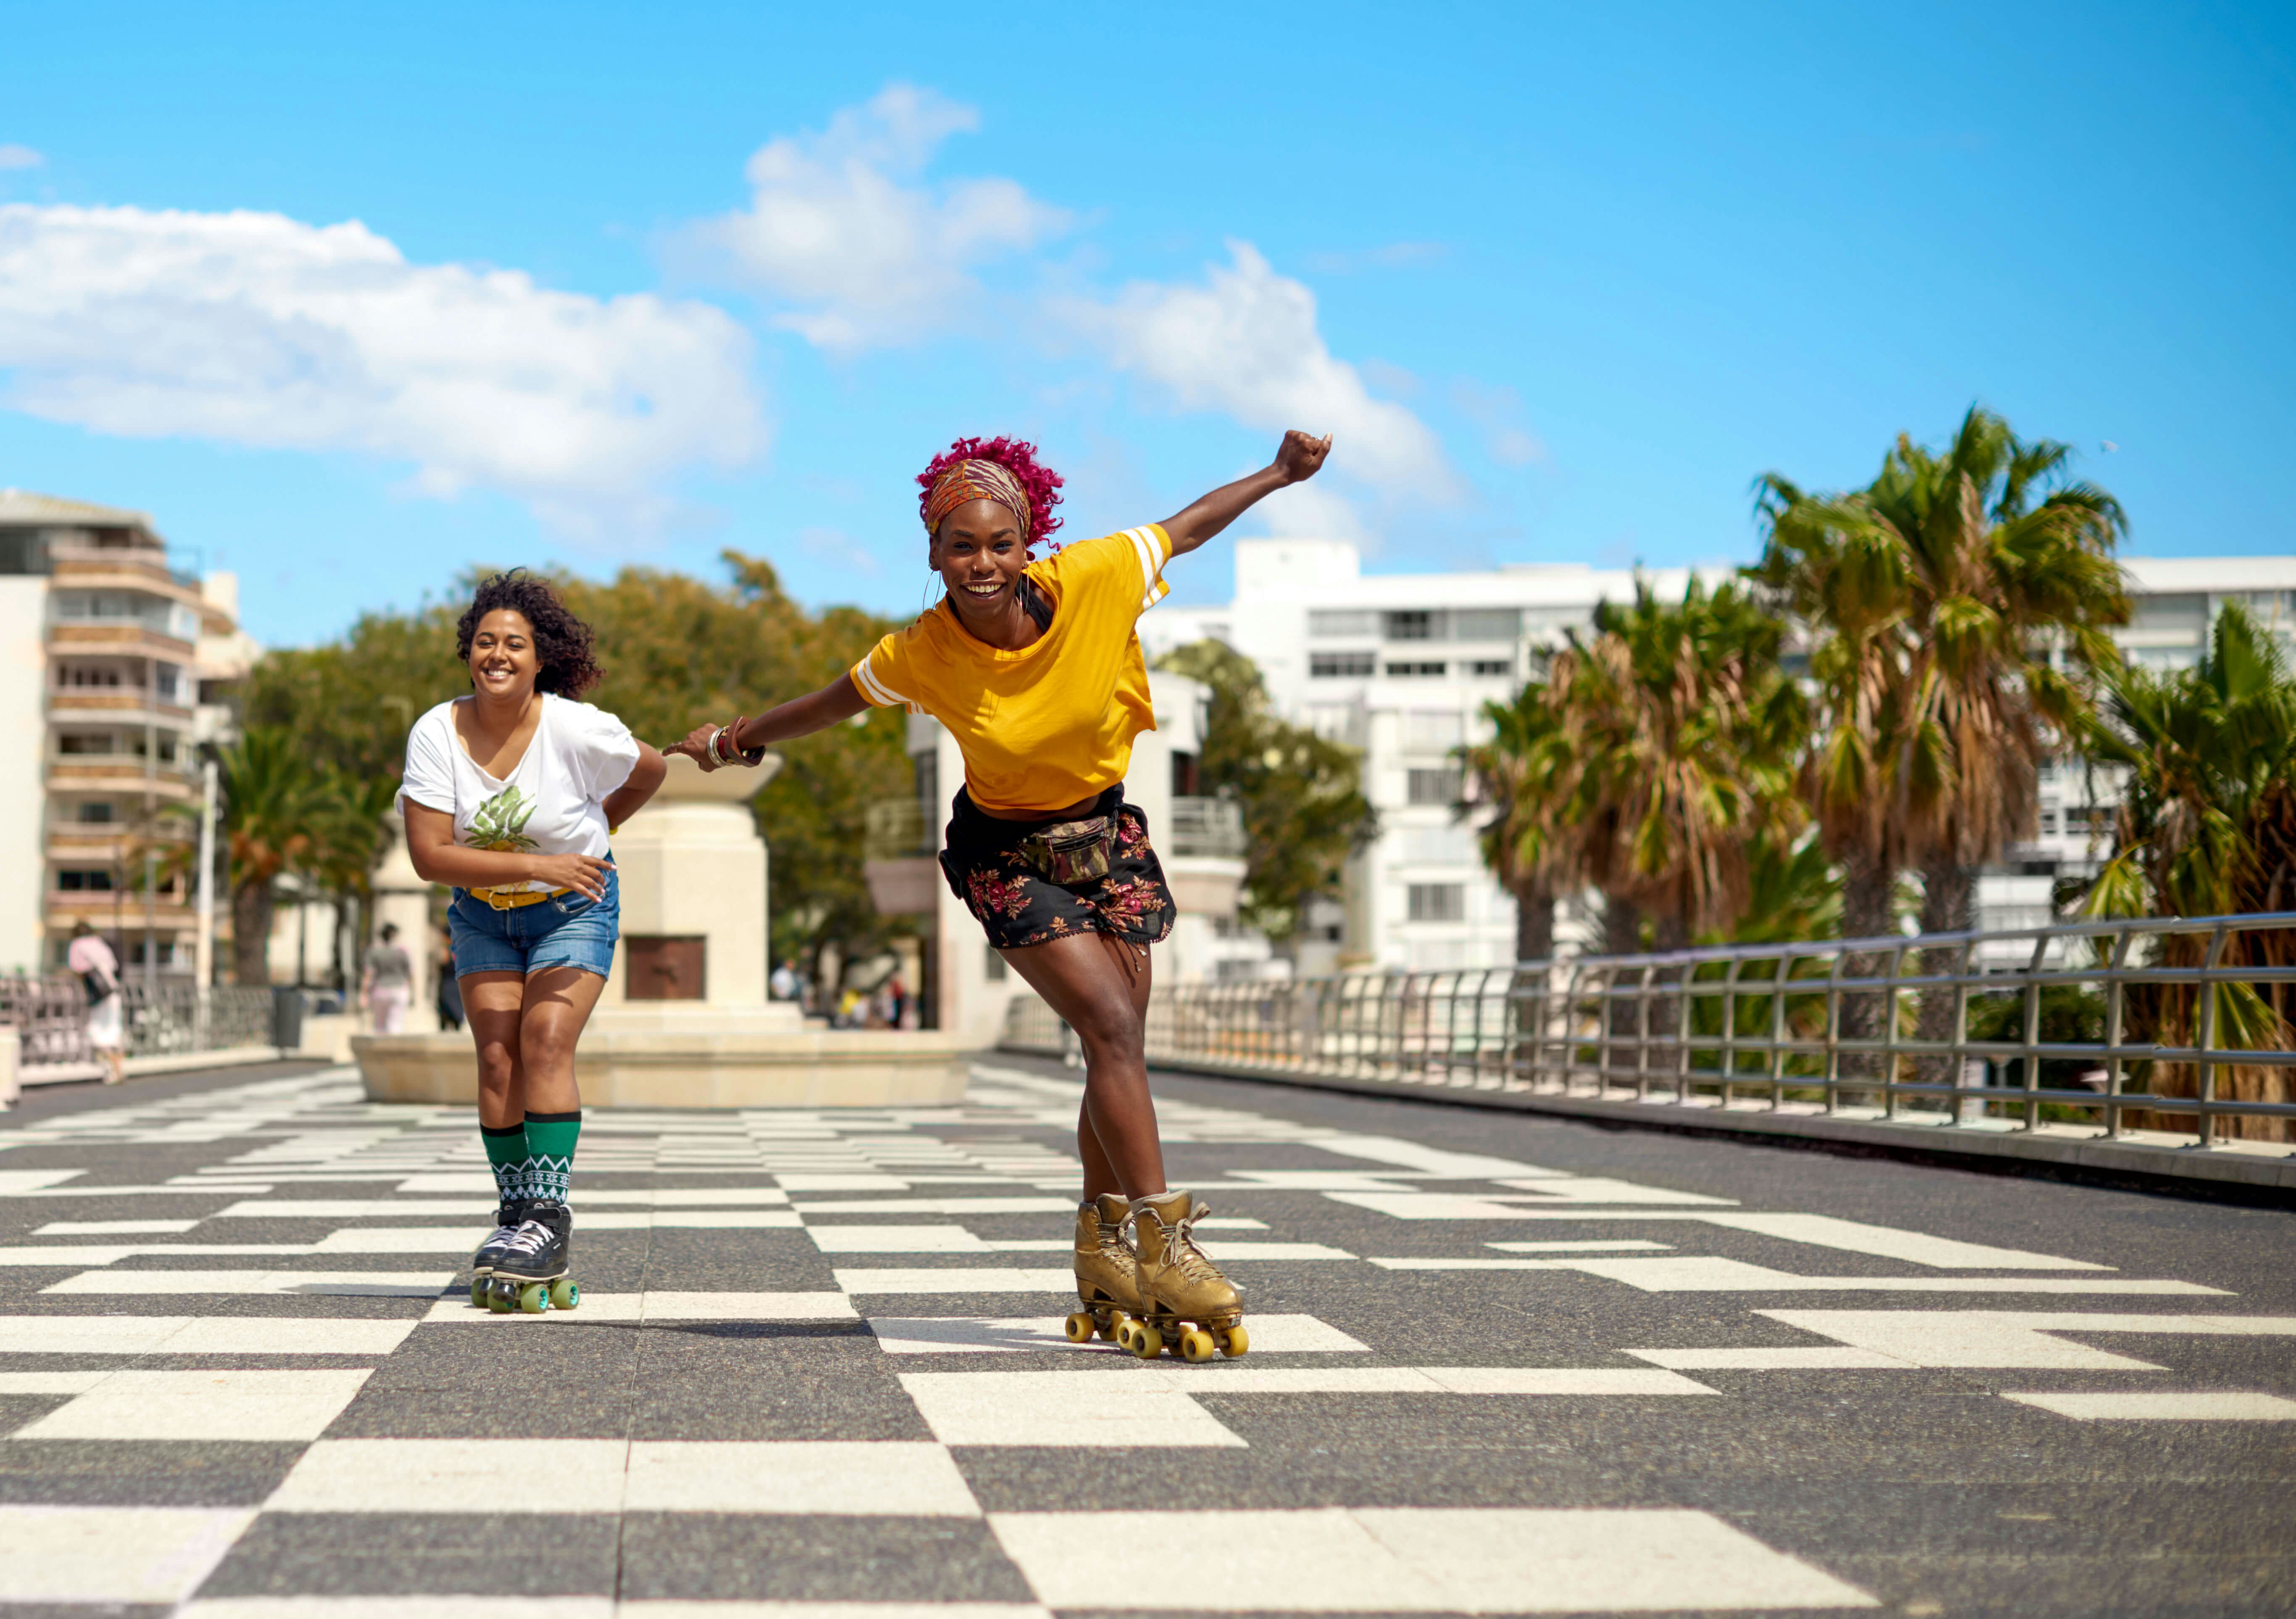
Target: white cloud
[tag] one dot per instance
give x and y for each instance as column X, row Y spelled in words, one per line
column 259, row 330
column 1245, row 342
column 842, row 226
column 13, row 156
column 1316, row 511
column 1500, row 412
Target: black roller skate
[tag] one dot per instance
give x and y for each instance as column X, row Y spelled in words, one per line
column 530, row 1276
column 508, row 1218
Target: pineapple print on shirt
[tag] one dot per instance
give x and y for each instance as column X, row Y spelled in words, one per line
column 500, row 822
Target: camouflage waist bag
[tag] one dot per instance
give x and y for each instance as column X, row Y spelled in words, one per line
column 1069, row 852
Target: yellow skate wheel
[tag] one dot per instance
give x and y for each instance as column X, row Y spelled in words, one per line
column 1235, row 1341
column 1112, row 1328
column 1196, row 1344
column 478, row 1293
column 565, row 1294
column 1127, row 1329
column 499, row 1303
column 534, row 1298
column 1080, row 1327
column 1145, row 1343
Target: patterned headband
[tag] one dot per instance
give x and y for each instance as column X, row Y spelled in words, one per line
column 975, row 481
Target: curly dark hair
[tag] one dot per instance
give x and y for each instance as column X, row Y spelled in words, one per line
column 566, row 645
column 1037, row 481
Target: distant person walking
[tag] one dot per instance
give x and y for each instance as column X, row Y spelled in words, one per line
column 510, row 794
column 386, row 986
column 1035, row 669
column 450, row 987
column 99, row 977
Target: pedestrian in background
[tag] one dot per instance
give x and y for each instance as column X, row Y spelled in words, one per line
column 99, row 975
column 387, row 984
column 450, row 987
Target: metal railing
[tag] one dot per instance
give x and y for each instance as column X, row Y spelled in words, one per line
column 898, row 829
column 2139, row 1016
column 50, row 1018
column 1205, row 826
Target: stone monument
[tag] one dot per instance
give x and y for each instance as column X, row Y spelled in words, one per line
column 686, row 1020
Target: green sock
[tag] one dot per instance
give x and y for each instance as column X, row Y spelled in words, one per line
column 506, row 1156
column 550, row 1140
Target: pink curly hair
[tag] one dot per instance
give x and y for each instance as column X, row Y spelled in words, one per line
column 1039, row 482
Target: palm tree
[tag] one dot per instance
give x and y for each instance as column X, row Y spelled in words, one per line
column 1526, row 775
column 1953, row 622
column 270, row 791
column 2206, row 827
column 1695, row 730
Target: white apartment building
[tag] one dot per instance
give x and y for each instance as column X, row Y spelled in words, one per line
column 108, row 658
column 1401, row 665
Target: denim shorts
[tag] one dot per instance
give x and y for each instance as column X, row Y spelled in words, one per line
column 568, row 931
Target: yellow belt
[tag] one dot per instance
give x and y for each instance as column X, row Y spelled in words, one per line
column 510, row 899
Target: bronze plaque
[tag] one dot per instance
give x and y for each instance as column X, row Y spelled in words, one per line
column 667, row 966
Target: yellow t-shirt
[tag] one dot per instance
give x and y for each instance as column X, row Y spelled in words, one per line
column 1053, row 723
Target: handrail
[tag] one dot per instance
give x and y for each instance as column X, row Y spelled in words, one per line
column 2132, row 1009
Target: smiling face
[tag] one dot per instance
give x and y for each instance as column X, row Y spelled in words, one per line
column 979, row 555
column 503, row 660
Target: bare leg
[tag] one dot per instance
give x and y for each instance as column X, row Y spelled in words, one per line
column 558, row 1003
column 491, row 1004
column 1099, row 987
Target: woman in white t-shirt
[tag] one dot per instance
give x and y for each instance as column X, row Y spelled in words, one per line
column 509, row 795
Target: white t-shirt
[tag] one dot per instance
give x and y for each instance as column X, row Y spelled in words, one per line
column 551, row 802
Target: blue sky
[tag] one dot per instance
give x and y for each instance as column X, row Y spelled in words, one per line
column 352, row 299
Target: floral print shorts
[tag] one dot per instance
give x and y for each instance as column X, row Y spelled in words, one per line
column 1018, row 907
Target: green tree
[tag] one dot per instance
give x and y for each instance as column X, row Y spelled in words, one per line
column 1300, row 795
column 2206, row 827
column 1955, row 608
column 270, row 793
column 1525, row 777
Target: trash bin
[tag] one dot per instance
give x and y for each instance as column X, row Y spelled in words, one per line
column 286, row 1017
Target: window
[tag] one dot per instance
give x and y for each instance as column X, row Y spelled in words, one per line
column 1437, row 902
column 163, row 953
column 1452, row 845
column 84, row 882
column 992, row 964
column 1341, row 665
column 2189, row 612
column 1432, row 787
column 79, row 675
column 1187, row 777
column 1351, row 624
column 84, row 743
column 1431, row 730
column 167, row 682
column 1414, row 671
column 1490, row 666
column 94, row 812
column 1418, row 625
column 1486, row 624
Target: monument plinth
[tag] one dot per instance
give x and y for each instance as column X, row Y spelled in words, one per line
column 684, row 1020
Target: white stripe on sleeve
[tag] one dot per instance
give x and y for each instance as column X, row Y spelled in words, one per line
column 875, row 690
column 1148, row 549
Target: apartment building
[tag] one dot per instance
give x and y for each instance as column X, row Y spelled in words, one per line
column 112, row 662
column 1401, row 665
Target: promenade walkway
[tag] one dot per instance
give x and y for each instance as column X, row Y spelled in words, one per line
column 1501, row 1364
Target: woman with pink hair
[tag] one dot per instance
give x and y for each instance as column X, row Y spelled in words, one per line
column 1034, row 666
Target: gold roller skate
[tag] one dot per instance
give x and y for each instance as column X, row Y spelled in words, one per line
column 1106, row 1273
column 1184, row 1301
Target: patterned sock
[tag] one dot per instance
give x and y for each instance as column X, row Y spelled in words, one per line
column 550, row 1140
column 506, row 1155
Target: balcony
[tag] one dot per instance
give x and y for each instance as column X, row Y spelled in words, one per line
column 119, row 705
column 93, row 773
column 126, row 568
column 1206, row 826
column 898, row 848
column 118, row 639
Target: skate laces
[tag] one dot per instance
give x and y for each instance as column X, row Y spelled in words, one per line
column 1180, row 1250
column 531, row 1238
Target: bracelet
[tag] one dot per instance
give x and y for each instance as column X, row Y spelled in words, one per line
column 746, row 756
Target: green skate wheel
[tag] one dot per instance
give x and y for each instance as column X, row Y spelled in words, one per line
column 534, row 1298
column 1079, row 1326
column 565, row 1294
column 1146, row 1343
column 497, row 1302
column 479, row 1292
column 1196, row 1344
column 1234, row 1341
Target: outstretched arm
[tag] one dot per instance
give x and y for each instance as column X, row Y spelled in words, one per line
column 1297, row 459
column 840, row 699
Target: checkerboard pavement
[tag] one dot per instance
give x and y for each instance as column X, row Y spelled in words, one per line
column 1500, row 1365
